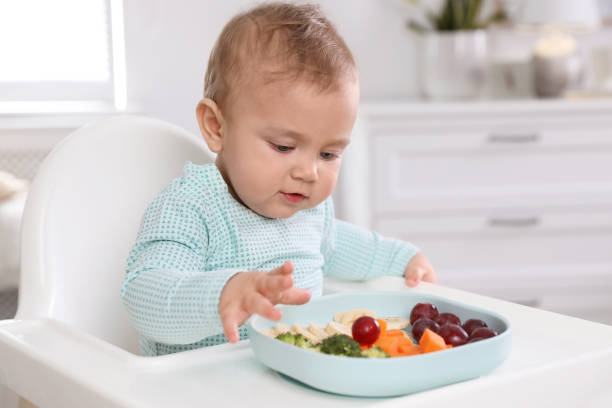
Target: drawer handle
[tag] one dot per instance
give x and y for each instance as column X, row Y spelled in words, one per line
column 514, row 222
column 502, row 138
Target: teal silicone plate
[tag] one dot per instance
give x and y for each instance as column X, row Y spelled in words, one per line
column 380, row 377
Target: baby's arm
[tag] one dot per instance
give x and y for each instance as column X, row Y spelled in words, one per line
column 355, row 253
column 170, row 295
column 257, row 292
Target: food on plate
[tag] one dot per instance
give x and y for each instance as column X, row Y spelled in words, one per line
column 396, row 343
column 449, row 326
column 374, row 352
column 396, row 323
column 318, row 331
column 444, row 318
column 296, row 340
column 453, row 334
column 347, row 318
column 482, row 333
column 431, row 341
column 472, row 324
column 276, row 330
column 358, row 333
column 337, row 328
column 365, row 330
column 420, row 310
column 340, row 345
column 337, row 344
column 419, row 326
column 301, row 329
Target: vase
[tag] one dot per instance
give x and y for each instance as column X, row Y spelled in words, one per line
column 553, row 76
column 452, row 64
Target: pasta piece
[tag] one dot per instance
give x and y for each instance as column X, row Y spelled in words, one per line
column 318, row 332
column 347, row 318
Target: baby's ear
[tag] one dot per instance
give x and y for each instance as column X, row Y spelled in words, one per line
column 210, row 120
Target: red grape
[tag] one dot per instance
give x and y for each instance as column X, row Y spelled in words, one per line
column 365, row 330
column 418, row 328
column 472, row 324
column 444, row 318
column 453, row 334
column 423, row 310
column 482, row 333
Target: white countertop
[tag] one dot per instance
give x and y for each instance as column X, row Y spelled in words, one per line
column 555, row 361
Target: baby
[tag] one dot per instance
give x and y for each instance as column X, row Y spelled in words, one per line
column 257, row 228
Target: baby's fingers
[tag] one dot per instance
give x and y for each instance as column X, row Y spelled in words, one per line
column 262, row 306
column 275, row 281
column 414, row 276
column 295, row 296
column 230, row 328
column 284, row 269
column 419, row 273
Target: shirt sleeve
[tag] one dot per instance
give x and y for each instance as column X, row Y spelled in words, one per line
column 355, row 253
column 168, row 294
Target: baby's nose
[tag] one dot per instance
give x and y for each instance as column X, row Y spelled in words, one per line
column 305, row 170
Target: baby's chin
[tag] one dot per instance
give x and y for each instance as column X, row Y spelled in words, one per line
column 273, row 214
column 283, row 212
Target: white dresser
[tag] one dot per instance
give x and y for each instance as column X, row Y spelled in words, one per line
column 507, row 199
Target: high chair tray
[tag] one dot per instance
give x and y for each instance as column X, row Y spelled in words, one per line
column 555, row 360
column 369, row 377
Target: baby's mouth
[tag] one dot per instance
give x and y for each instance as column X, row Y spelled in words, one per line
column 293, row 197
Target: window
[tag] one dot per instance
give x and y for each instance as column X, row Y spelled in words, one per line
column 61, row 53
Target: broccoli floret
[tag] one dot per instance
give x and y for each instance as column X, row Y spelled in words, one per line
column 341, row 345
column 296, row 340
column 303, row 342
column 374, row 352
column 287, row 337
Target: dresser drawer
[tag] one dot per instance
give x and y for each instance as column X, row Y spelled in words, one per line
column 553, row 260
column 508, row 240
column 468, row 168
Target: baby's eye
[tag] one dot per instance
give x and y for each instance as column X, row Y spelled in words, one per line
column 281, row 148
column 328, row 156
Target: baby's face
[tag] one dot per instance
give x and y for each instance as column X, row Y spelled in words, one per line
column 283, row 145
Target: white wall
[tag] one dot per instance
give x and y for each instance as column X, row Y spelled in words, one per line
column 168, row 43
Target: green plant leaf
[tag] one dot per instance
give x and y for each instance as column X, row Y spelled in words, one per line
column 472, row 14
column 457, row 7
column 457, row 15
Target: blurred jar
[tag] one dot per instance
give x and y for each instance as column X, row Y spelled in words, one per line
column 452, row 64
column 558, row 65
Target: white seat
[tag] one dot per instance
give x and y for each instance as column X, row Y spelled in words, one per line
column 81, row 218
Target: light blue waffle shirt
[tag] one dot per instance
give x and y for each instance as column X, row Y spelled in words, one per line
column 194, row 236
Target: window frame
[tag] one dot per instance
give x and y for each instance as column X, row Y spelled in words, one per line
column 77, row 96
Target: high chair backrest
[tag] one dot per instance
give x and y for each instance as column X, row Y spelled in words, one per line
column 82, row 216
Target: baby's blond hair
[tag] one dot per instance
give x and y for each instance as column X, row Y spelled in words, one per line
column 275, row 41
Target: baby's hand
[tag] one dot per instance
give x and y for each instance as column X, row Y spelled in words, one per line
column 419, row 269
column 257, row 292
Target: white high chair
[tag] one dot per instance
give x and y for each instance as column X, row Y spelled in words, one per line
column 71, row 344
column 81, row 217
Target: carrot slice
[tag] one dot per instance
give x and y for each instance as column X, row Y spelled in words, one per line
column 403, row 343
column 389, row 345
column 431, row 341
column 383, row 327
column 410, row 350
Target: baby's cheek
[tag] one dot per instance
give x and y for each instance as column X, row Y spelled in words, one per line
column 330, row 182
